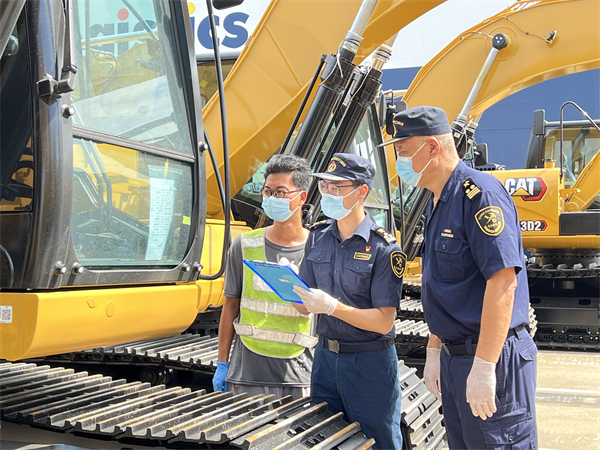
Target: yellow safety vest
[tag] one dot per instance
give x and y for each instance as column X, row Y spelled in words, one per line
column 268, row 325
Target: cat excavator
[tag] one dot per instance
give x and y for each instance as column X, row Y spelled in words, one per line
column 556, row 194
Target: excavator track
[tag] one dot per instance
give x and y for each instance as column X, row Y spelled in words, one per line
column 565, row 291
column 159, row 357
column 136, row 413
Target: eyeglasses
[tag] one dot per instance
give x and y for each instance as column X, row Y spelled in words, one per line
column 332, row 188
column 280, row 193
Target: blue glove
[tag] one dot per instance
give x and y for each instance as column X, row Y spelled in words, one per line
column 218, row 380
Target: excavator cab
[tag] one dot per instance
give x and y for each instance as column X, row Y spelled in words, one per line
column 102, row 180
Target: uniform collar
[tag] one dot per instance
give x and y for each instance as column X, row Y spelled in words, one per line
column 449, row 186
column 363, row 229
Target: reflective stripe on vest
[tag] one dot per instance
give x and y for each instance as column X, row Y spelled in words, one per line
column 247, row 330
column 268, row 325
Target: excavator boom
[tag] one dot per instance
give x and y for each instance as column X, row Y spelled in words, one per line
column 547, row 39
column 269, row 80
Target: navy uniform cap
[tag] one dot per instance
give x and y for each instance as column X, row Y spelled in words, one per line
column 346, row 166
column 419, row 121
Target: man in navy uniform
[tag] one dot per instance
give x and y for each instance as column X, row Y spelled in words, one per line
column 481, row 360
column 354, row 269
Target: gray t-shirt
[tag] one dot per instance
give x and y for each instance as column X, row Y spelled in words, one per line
column 245, row 366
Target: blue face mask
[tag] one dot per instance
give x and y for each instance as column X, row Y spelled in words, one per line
column 333, row 205
column 405, row 169
column 278, row 209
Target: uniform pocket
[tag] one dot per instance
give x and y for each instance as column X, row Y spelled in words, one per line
column 358, row 277
column 389, row 363
column 528, row 352
column 321, row 265
column 517, row 435
column 449, row 264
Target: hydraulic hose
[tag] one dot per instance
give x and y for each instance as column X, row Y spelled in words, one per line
column 227, row 191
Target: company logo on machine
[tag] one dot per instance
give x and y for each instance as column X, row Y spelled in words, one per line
column 531, row 189
column 490, row 220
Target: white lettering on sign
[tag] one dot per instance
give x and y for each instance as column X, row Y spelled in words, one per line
column 528, row 188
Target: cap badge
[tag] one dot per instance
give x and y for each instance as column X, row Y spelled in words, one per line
column 398, row 122
column 331, row 167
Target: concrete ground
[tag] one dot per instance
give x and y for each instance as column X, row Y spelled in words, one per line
column 568, row 400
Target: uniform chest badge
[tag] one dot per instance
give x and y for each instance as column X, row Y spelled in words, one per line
column 490, row 220
column 362, row 256
column 398, row 262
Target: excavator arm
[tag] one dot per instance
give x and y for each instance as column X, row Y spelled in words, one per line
column 269, row 80
column 546, row 39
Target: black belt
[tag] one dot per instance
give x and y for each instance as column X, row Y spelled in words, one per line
column 468, row 346
column 354, row 347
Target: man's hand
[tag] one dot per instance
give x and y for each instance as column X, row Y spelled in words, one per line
column 317, row 301
column 218, row 380
column 286, row 262
column 481, row 388
column 431, row 373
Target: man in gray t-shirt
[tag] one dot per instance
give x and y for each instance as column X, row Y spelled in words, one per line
column 252, row 367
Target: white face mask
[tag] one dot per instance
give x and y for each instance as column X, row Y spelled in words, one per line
column 278, row 209
column 405, row 169
column 333, row 205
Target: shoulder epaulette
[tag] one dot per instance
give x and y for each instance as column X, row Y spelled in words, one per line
column 471, row 190
column 320, row 223
column 385, row 235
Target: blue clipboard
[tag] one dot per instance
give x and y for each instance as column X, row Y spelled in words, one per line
column 281, row 279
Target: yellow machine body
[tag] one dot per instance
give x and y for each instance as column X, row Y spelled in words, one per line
column 47, row 323
column 537, row 194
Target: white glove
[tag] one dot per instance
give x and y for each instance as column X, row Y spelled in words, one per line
column 317, row 301
column 431, row 373
column 481, row 388
column 283, row 261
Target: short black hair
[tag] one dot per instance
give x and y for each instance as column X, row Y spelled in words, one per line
column 297, row 167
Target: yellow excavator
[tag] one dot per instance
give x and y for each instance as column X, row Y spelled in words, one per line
column 108, row 228
column 556, row 194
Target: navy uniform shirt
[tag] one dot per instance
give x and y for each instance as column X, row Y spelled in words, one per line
column 364, row 271
column 472, row 233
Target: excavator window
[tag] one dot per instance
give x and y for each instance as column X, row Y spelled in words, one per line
column 16, row 123
column 132, row 152
column 207, row 76
column 580, row 144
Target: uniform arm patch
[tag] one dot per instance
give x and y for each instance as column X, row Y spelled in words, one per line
column 398, row 262
column 491, row 220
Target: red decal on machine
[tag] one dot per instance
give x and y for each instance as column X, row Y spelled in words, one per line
column 530, row 189
column 533, row 225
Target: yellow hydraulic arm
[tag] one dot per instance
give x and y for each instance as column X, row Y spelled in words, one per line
column 265, row 88
column 533, row 54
